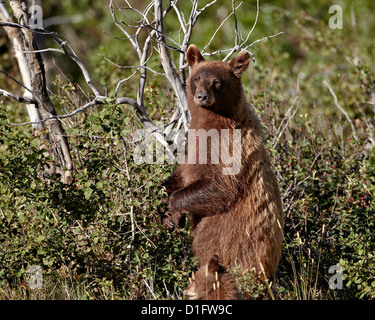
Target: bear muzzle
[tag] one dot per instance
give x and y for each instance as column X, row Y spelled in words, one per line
column 203, row 99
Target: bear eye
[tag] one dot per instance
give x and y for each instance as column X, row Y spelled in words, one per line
column 217, row 84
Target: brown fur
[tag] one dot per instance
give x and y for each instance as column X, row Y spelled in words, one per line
column 239, row 217
column 212, row 282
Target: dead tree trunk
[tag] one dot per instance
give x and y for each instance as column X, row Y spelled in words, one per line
column 15, row 37
column 55, row 135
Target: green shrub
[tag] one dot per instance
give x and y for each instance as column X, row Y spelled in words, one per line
column 102, row 227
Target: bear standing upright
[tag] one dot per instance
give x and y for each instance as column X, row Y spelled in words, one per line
column 236, row 210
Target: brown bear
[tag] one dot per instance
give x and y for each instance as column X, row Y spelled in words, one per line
column 212, row 282
column 236, row 214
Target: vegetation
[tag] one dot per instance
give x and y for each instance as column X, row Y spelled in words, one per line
column 100, row 237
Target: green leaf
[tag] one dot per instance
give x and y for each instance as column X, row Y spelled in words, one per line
column 99, row 184
column 96, row 128
column 21, row 217
column 88, row 192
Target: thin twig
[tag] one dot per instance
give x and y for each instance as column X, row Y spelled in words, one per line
column 217, row 30
column 16, row 81
column 42, row 50
column 255, row 23
column 133, row 67
column 86, row 106
column 238, row 37
column 288, row 121
column 149, row 288
column 173, row 121
column 265, row 38
column 342, row 110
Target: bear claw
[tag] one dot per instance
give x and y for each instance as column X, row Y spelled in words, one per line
column 170, row 219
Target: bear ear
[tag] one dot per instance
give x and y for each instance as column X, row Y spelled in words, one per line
column 193, row 56
column 240, row 63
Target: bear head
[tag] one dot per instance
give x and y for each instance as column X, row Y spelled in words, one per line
column 215, row 85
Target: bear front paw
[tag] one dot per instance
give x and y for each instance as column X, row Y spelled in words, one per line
column 167, row 220
column 170, row 219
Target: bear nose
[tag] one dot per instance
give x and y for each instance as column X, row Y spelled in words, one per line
column 202, row 97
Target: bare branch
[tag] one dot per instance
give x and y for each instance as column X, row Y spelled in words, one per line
column 58, row 20
column 217, row 30
column 123, row 100
column 239, row 44
column 176, row 116
column 42, row 50
column 21, row 26
column 216, row 52
column 265, row 38
column 16, row 81
column 196, row 12
column 125, row 32
column 122, row 81
column 173, row 121
column 165, row 59
column 255, row 23
column 133, row 67
column 70, row 53
column 341, row 110
column 147, row 122
column 238, row 37
column 18, row 98
column 58, row 117
column 180, row 17
column 281, row 128
column 150, row 20
column 66, row 48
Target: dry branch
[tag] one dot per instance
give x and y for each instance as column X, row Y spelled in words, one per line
column 151, row 20
column 342, row 110
column 56, row 135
